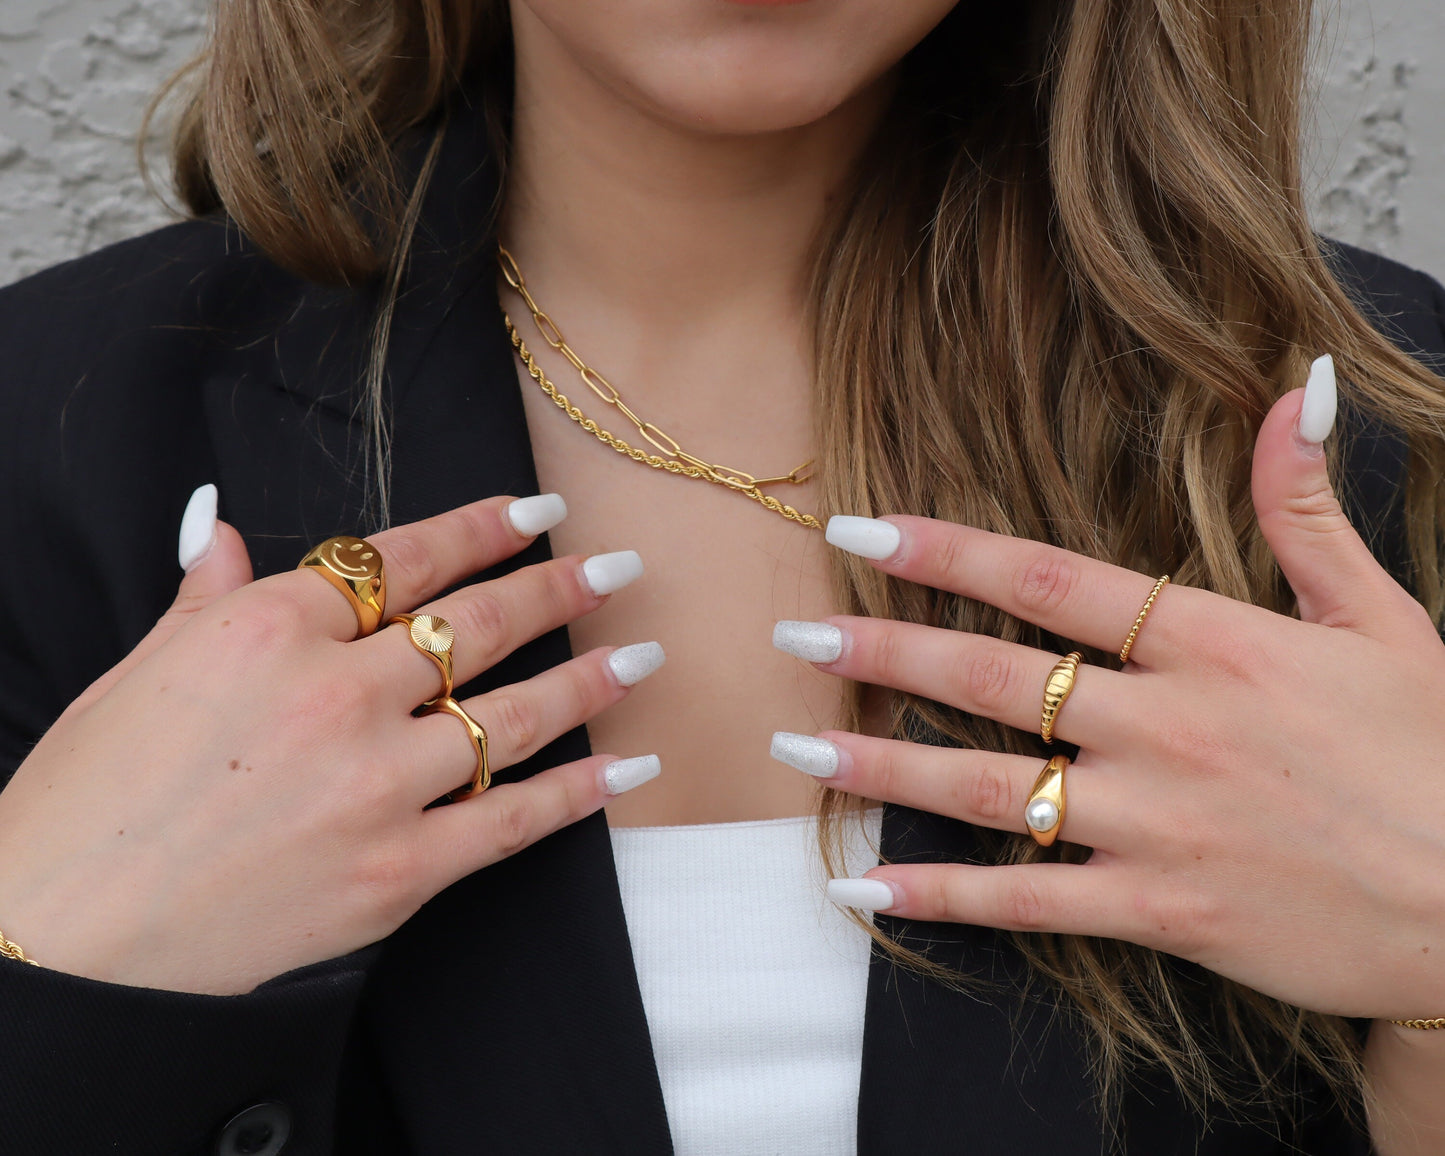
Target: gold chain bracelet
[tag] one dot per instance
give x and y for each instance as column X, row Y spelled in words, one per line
column 14, row 951
column 672, row 458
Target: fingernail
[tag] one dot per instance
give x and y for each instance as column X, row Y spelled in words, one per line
column 867, row 537
column 866, row 894
column 631, row 664
column 605, row 573
column 537, row 514
column 806, row 753
column 198, row 528
column 624, row 774
column 1317, row 413
column 810, row 641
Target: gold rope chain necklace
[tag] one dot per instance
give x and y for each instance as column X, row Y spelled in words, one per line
column 672, row 457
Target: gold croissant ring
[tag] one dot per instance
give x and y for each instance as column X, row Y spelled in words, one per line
column 482, row 778
column 1139, row 621
column 1057, row 688
column 1044, row 812
column 433, row 635
column 353, row 566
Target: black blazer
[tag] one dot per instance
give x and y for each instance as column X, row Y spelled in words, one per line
column 505, row 1016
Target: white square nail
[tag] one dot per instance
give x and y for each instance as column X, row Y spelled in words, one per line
column 810, row 641
column 537, row 514
column 866, row 537
column 605, row 573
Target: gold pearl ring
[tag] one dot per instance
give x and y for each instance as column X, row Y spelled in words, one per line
column 1044, row 811
column 433, row 635
column 353, row 566
column 1139, row 621
column 1057, row 688
column 482, row 779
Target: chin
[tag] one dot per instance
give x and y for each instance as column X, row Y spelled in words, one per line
column 731, row 66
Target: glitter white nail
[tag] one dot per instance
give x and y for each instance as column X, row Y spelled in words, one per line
column 198, row 528
column 537, row 514
column 605, row 573
column 806, row 753
column 810, row 641
column 631, row 664
column 624, row 774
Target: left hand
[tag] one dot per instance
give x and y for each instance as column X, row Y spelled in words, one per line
column 1264, row 796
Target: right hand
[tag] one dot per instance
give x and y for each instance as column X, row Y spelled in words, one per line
column 243, row 794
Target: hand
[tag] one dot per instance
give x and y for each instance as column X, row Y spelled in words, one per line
column 244, row 793
column 1263, row 795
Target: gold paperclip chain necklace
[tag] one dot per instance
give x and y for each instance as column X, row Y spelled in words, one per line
column 672, row 457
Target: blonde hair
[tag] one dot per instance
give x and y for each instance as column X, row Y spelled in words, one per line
column 1071, row 278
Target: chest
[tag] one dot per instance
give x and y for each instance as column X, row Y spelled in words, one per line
column 720, row 571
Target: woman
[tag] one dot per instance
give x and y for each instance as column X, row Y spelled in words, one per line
column 1049, row 271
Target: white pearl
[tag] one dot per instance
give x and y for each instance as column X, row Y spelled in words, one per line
column 1041, row 814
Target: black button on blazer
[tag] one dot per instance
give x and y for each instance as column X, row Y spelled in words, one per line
column 505, row 1016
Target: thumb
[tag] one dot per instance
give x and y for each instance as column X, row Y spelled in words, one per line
column 214, row 557
column 1326, row 562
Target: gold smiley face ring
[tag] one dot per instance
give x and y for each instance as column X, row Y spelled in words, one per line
column 353, row 566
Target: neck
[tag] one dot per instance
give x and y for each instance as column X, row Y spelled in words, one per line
column 607, row 200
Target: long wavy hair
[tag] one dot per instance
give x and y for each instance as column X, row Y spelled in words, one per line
column 1074, row 271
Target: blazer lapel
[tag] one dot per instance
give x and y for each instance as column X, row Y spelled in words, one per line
column 508, row 1007
column 506, row 1012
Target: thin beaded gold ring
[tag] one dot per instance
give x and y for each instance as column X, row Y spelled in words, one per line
column 1139, row 621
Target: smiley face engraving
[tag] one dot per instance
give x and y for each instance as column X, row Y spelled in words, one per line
column 352, row 557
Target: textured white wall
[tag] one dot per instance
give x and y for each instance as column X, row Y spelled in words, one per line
column 75, row 74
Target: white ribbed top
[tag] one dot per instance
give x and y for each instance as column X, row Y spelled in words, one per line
column 754, row 984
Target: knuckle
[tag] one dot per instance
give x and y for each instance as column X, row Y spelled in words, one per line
column 1024, row 905
column 987, row 794
column 1234, row 655
column 388, row 876
column 950, row 556
column 482, row 618
column 1046, row 582
column 887, row 656
column 516, row 720
column 267, row 624
column 1196, row 745
column 406, row 551
column 934, row 900
column 888, row 774
column 1183, row 921
column 510, row 823
column 987, row 678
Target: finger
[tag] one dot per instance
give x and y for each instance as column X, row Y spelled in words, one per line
column 985, row 676
column 424, row 558
column 1064, row 898
column 1324, row 559
column 214, row 558
column 492, row 619
column 454, row 841
column 523, row 718
column 1068, row 594
column 987, row 788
